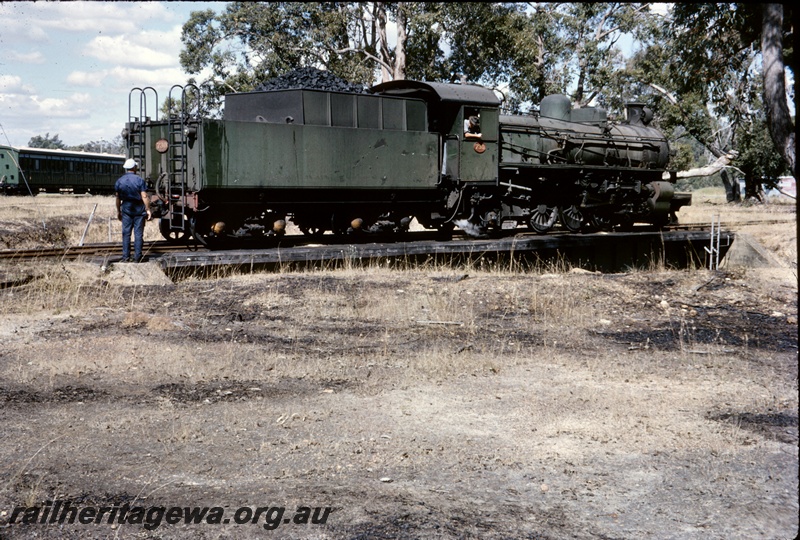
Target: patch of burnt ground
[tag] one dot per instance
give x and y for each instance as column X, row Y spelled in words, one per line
column 52, row 494
column 233, row 391
column 428, row 521
column 731, row 326
column 779, row 426
column 31, row 235
column 64, row 394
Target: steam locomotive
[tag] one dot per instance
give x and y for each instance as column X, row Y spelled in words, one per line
column 364, row 162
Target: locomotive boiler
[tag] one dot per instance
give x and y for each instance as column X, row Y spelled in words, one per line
column 369, row 161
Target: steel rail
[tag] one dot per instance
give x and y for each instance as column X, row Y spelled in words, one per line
column 162, row 247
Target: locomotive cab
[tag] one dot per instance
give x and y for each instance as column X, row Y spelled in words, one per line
column 468, row 160
column 477, row 150
column 463, row 159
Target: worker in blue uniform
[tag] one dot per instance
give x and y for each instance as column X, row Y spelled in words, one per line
column 133, row 206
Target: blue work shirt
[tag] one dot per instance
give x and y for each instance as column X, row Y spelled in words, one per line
column 129, row 187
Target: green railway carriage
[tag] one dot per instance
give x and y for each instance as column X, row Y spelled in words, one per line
column 33, row 170
column 9, row 169
column 442, row 153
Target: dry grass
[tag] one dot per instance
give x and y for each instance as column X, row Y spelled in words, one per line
column 647, row 404
column 56, row 220
column 778, row 233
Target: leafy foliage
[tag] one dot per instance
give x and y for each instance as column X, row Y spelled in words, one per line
column 758, row 159
column 697, row 67
column 51, row 143
column 251, row 42
column 116, row 146
column 706, row 74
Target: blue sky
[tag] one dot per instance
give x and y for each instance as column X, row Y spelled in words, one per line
column 66, row 68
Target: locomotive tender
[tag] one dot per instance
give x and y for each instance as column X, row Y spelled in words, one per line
column 341, row 162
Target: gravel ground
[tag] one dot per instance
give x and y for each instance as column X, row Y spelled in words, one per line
column 428, row 403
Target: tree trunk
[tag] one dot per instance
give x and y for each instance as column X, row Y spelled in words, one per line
column 400, row 48
column 753, row 190
column 383, row 49
column 778, row 117
column 733, row 192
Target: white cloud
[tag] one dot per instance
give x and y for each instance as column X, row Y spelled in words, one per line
column 159, row 78
column 141, row 50
column 22, row 106
column 91, row 79
column 12, row 84
column 34, row 57
column 123, row 78
column 660, row 8
column 36, row 21
column 19, row 25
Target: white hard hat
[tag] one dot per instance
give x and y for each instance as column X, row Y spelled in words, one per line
column 129, row 164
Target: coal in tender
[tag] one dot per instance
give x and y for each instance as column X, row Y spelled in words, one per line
column 310, row 78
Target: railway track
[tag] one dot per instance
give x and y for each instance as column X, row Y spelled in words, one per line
column 87, row 251
column 160, row 248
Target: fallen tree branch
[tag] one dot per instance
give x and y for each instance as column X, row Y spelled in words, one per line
column 713, row 167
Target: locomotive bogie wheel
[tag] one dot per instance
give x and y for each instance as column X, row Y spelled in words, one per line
column 202, row 239
column 171, row 235
column 313, row 232
column 543, row 218
column 444, row 231
column 571, row 218
column 598, row 222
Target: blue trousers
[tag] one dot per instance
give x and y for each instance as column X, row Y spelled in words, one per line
column 133, row 219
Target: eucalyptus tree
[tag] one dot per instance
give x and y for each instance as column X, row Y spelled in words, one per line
column 757, row 158
column 51, row 143
column 577, row 49
column 781, row 126
column 595, row 30
column 714, row 76
column 248, row 43
column 115, row 146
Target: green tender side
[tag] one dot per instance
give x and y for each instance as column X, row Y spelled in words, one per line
column 263, row 155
